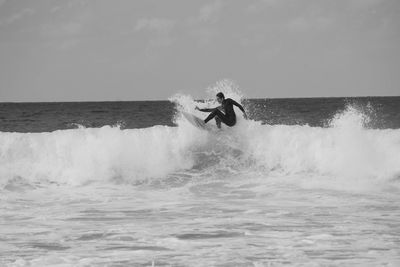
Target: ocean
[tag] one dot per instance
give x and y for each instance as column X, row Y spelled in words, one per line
column 303, row 182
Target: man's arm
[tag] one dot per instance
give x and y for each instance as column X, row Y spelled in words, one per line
column 205, row 109
column 240, row 107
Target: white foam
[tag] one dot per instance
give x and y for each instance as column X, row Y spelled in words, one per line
column 346, row 150
column 82, row 155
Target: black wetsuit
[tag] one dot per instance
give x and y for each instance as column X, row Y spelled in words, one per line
column 229, row 118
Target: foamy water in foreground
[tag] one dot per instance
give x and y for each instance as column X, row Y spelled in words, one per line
column 252, row 195
column 230, row 221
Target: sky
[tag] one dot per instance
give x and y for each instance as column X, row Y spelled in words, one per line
column 108, row 50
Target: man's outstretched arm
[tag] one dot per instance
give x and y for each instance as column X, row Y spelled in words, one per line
column 205, row 109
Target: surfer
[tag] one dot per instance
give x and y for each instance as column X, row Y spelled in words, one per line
column 223, row 113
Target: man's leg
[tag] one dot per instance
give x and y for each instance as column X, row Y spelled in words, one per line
column 217, row 114
column 218, row 122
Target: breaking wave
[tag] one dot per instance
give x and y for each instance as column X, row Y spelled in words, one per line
column 110, row 154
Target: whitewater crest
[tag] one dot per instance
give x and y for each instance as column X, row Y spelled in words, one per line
column 346, row 148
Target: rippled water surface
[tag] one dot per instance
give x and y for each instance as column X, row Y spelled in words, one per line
column 228, row 222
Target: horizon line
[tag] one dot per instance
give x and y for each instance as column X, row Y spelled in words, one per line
column 164, row 100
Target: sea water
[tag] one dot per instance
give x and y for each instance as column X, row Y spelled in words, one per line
column 303, row 182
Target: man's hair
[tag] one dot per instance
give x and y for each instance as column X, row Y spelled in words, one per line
column 221, row 95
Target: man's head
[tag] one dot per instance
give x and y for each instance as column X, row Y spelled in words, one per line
column 220, row 97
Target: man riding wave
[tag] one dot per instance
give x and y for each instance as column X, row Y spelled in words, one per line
column 223, row 113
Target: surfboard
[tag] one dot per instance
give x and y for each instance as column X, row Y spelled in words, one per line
column 195, row 121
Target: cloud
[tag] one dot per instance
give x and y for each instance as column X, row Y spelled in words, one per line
column 155, row 24
column 271, row 2
column 201, row 26
column 19, row 15
column 61, row 29
column 67, row 28
column 74, row 25
column 302, row 24
column 299, row 24
column 55, row 9
column 67, row 44
column 160, row 29
column 210, row 12
column 204, row 36
column 72, row 28
column 364, row 3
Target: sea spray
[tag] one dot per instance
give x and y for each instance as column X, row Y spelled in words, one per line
column 80, row 156
column 345, row 149
column 187, row 103
column 110, row 154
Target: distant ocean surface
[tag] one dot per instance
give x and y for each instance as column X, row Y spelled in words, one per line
column 303, row 182
column 383, row 112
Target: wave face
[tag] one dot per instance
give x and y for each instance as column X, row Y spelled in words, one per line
column 345, row 149
column 94, row 154
column 109, row 154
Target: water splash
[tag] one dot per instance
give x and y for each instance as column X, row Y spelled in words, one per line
column 111, row 154
column 346, row 150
